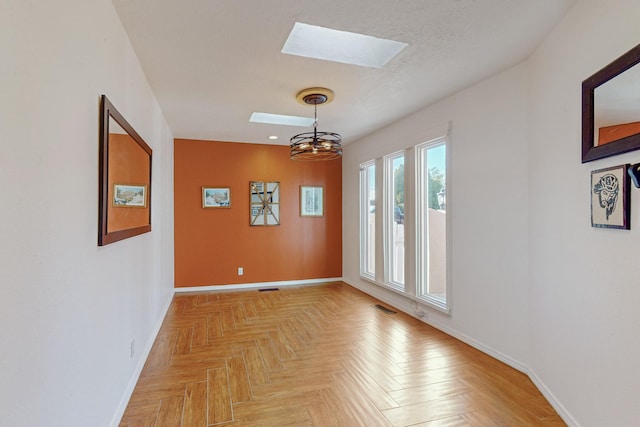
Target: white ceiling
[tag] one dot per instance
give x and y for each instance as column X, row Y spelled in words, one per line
column 211, row 63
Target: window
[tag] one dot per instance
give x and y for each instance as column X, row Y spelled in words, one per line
column 431, row 222
column 368, row 220
column 394, row 220
column 415, row 263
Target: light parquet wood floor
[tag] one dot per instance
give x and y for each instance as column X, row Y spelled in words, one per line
column 320, row 356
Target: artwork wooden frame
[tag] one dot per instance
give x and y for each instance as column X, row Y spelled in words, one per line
column 627, row 141
column 124, row 157
column 610, row 197
column 216, row 197
column 129, row 196
column 264, row 203
column 311, row 200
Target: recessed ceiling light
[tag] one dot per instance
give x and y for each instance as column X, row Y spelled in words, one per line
column 279, row 119
column 316, row 42
column 273, row 137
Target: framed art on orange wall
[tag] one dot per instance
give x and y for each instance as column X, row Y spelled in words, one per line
column 311, row 200
column 216, row 197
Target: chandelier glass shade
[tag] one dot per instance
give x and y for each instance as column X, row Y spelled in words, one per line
column 316, row 145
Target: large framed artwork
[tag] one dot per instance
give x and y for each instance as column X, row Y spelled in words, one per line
column 311, row 201
column 610, row 194
column 265, row 203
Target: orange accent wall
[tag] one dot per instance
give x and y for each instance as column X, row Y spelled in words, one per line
column 211, row 243
column 128, row 165
column 609, row 134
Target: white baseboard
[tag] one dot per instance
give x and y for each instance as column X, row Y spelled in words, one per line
column 135, row 375
column 257, row 285
column 404, row 304
column 401, row 303
column 515, row 364
column 117, row 416
column 560, row 409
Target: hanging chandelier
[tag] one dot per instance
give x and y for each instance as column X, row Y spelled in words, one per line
column 313, row 146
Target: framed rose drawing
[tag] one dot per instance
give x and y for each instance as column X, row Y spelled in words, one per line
column 610, row 194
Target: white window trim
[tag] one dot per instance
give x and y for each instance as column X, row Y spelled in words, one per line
column 387, row 218
column 421, row 271
column 410, row 289
column 364, row 221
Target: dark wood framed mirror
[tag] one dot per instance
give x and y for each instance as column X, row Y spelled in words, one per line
column 124, row 178
column 611, row 109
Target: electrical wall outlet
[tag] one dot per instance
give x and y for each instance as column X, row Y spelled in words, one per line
column 240, row 271
column 133, row 348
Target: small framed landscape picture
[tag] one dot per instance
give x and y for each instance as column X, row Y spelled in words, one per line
column 311, row 200
column 216, row 197
column 610, row 194
column 129, row 196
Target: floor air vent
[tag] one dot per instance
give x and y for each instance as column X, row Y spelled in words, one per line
column 269, row 289
column 384, row 309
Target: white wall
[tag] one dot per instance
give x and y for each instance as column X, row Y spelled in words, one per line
column 585, row 286
column 533, row 283
column 69, row 308
column 487, row 195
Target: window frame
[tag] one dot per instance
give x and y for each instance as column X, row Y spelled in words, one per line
column 365, row 206
column 383, row 189
column 422, row 266
column 389, row 223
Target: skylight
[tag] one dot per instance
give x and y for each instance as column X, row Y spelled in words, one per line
column 279, row 119
column 316, row 42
